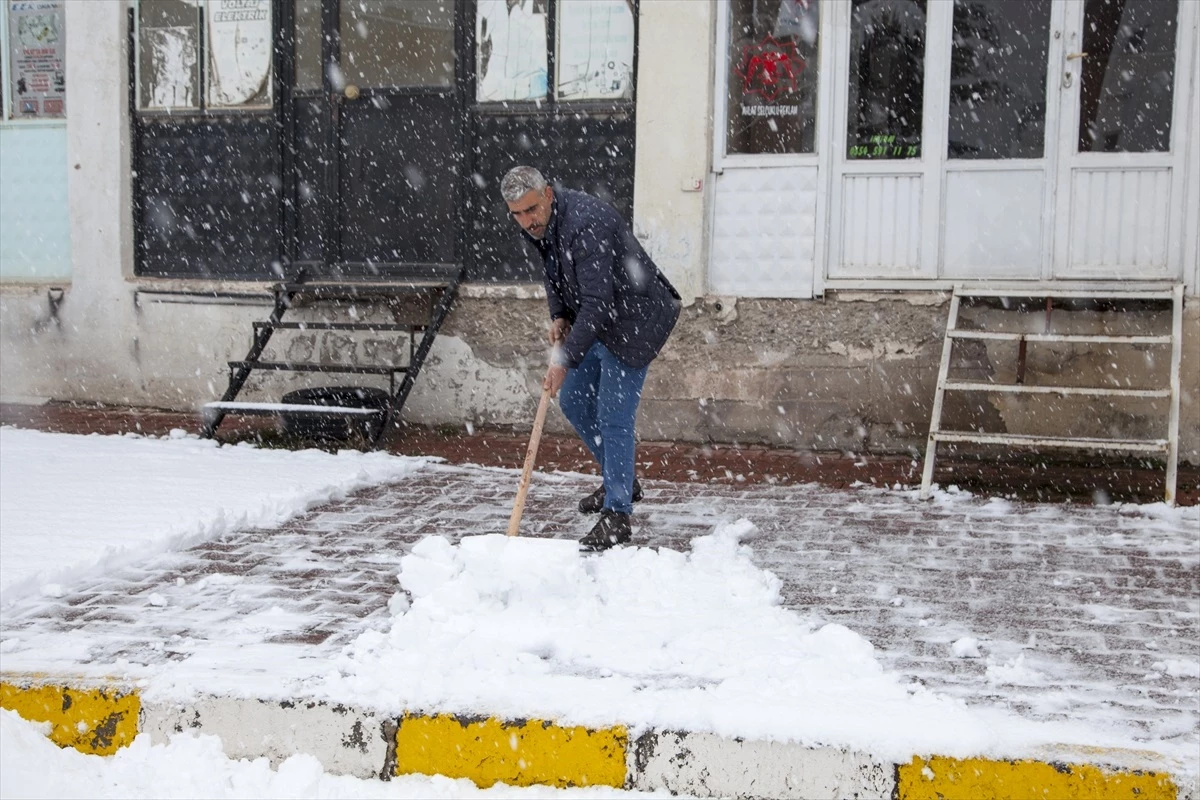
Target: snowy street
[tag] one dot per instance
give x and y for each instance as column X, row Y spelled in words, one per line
column 863, row 618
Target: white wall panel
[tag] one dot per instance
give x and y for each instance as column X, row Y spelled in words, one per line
column 764, row 223
column 1119, row 221
column 880, row 226
column 994, row 222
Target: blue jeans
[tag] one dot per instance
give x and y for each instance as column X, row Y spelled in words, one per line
column 600, row 398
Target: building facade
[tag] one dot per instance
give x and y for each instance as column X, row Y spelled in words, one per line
column 813, row 175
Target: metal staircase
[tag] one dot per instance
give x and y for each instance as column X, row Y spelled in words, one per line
column 1163, row 298
column 440, row 296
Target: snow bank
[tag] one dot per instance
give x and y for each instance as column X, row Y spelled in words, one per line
column 692, row 641
column 70, row 505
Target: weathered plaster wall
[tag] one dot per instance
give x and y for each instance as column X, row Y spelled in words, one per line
column 78, row 338
column 852, row 372
column 671, row 176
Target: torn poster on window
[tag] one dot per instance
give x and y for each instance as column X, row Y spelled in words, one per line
column 172, row 76
column 595, row 50
column 511, row 61
column 37, row 44
column 239, row 53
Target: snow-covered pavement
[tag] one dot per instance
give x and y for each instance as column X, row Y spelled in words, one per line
column 860, row 619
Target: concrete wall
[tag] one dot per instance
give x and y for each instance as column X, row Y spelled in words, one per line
column 84, row 342
column 855, row 371
column 672, row 169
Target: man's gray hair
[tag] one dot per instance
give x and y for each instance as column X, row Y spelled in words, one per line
column 520, row 181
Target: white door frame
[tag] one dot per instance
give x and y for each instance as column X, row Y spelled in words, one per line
column 926, row 170
column 1058, row 163
column 746, row 170
column 1069, row 212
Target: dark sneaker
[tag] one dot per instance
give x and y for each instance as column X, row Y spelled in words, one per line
column 594, row 502
column 611, row 529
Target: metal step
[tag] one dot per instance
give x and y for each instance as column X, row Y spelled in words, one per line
column 270, row 409
column 1020, row 388
column 1080, row 338
column 339, row 326
column 293, row 366
column 1028, row 440
column 359, row 291
column 1168, row 445
column 1083, row 294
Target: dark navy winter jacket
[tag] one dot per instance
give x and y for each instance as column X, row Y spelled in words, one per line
column 598, row 276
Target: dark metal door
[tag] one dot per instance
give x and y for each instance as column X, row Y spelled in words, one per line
column 377, row 137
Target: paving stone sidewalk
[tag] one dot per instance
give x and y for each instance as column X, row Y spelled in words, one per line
column 1079, row 612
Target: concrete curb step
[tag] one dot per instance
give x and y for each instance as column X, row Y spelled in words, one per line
column 100, row 719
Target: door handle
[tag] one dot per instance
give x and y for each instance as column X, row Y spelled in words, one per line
column 1073, row 56
column 351, row 91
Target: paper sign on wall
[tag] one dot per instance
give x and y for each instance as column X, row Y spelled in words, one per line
column 37, row 45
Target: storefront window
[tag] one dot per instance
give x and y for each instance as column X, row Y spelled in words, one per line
column 771, row 71
column 238, row 37
column 1127, row 80
column 595, row 50
column 385, row 43
column 510, row 50
column 35, row 75
column 887, row 79
column 998, row 79
column 238, row 54
column 307, row 47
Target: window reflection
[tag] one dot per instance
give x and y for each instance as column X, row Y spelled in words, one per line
column 887, row 79
column 510, row 61
column 1126, row 86
column 241, row 50
column 168, row 55
column 772, row 76
column 385, row 43
column 998, row 79
column 308, row 45
column 595, row 50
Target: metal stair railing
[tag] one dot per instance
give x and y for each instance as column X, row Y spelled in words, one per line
column 1168, row 446
column 287, row 295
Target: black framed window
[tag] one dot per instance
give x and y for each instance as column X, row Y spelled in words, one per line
column 590, row 54
column 213, row 55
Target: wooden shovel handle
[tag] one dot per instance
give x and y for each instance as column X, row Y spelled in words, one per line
column 535, row 438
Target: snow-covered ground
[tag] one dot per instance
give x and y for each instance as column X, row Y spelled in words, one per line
column 651, row 638
column 72, row 505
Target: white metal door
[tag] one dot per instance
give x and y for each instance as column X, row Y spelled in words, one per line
column 1124, row 77
column 1002, row 130
column 885, row 144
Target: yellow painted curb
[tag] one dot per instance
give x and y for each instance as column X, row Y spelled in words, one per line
column 981, row 779
column 97, row 721
column 490, row 751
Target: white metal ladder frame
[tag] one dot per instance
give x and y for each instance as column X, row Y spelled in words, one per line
column 1169, row 446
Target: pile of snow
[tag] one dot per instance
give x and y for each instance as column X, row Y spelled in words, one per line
column 75, row 504
column 194, row 766
column 660, row 639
